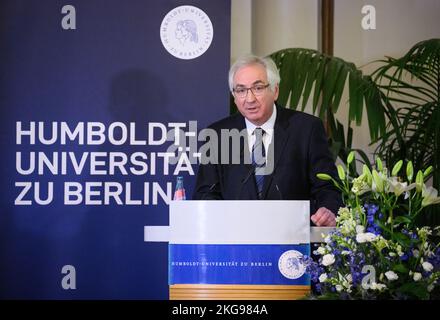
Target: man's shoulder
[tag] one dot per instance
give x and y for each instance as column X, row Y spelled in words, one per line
column 297, row 117
column 235, row 121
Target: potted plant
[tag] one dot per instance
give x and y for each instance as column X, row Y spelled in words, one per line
column 377, row 250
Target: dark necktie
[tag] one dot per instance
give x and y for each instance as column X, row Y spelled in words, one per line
column 259, row 160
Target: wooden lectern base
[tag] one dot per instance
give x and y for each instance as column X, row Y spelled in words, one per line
column 236, row 292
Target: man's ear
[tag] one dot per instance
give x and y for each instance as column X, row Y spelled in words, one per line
column 276, row 92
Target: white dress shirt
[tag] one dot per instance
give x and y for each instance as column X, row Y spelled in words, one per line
column 268, row 131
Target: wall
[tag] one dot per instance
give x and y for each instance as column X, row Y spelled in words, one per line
column 399, row 25
column 263, row 27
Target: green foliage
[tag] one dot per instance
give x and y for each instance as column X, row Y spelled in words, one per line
column 401, row 99
column 410, row 88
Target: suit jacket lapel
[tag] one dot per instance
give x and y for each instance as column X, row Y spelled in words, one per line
column 280, row 138
column 247, row 189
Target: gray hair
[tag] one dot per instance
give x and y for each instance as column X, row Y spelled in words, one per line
column 273, row 75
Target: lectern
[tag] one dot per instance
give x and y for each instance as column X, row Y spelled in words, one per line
column 238, row 249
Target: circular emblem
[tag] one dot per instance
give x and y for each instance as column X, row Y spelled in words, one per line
column 290, row 264
column 186, row 32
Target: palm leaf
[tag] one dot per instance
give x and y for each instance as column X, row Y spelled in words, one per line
column 304, row 70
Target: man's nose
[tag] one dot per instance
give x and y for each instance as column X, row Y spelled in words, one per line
column 250, row 97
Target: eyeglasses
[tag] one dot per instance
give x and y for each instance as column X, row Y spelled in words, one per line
column 257, row 90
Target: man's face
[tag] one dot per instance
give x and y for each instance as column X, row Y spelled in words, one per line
column 256, row 108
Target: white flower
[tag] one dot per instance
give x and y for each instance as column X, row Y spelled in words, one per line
column 424, row 232
column 360, row 185
column 391, row 275
column 415, row 253
column 399, row 250
column 417, row 276
column 377, row 286
column 328, row 259
column 349, row 278
column 323, row 277
column 427, row 266
column 381, row 286
column 399, row 187
column 365, row 237
column 365, row 285
column 347, row 227
column 380, row 243
column 339, row 288
column 379, row 180
column 321, row 250
column 360, row 229
column 345, row 221
column 345, row 252
column 429, row 196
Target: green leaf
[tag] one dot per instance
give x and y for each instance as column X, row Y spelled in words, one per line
column 375, row 109
column 312, row 70
column 402, row 219
column 302, row 65
column 318, row 83
column 414, row 289
column 400, row 268
column 287, row 78
column 339, row 87
column 401, row 239
column 355, row 96
column 383, row 227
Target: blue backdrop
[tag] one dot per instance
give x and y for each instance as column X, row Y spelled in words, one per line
column 111, row 68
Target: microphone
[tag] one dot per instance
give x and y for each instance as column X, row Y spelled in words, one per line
column 248, row 175
column 210, row 189
column 279, row 192
column 274, row 180
column 245, row 180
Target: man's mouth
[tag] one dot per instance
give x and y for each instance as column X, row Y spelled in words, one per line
column 252, row 109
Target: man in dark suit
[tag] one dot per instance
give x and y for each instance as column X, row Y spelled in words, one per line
column 280, row 152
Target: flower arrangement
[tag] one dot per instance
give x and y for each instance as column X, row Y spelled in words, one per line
column 377, row 251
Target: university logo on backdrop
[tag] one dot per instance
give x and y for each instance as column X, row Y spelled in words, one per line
column 186, row 32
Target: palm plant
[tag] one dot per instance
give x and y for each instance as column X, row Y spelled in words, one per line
column 410, row 88
column 404, row 93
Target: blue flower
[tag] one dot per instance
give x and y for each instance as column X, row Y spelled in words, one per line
column 372, row 226
column 318, row 288
column 404, row 257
